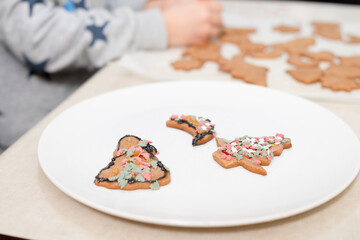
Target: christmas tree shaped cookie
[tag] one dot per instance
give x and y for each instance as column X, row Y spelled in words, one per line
column 133, row 166
column 200, row 128
column 250, row 152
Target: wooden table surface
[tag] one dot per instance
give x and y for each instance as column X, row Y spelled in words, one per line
column 32, row 207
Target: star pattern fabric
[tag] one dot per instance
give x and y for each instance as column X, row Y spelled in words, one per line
column 71, row 6
column 97, row 33
column 36, row 67
column 31, row 4
column 80, row 4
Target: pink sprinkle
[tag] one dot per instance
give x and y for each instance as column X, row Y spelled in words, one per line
column 124, row 161
column 202, row 124
column 139, row 149
column 280, row 135
column 120, row 152
column 132, row 147
column 213, row 125
column 158, row 152
column 228, row 157
column 214, row 134
column 237, row 148
column 174, row 116
column 146, row 175
column 257, row 162
column 141, row 162
column 145, row 155
column 223, row 156
column 148, row 142
column 269, row 157
column 277, row 140
column 142, row 167
column 273, row 149
column 182, row 116
column 247, row 146
column 243, row 153
column 228, row 146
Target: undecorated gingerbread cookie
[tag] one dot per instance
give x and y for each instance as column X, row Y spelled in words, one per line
column 327, row 30
column 133, row 166
column 286, row 29
column 187, row 64
column 200, row 128
column 306, row 75
column 350, row 61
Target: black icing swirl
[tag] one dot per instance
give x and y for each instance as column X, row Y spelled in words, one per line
column 198, row 135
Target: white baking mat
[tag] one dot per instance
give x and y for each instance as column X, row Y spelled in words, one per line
column 156, row 64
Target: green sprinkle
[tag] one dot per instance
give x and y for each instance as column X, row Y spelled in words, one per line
column 193, row 117
column 145, row 170
column 155, row 186
column 128, row 176
column 140, row 178
column 153, row 164
column 122, row 182
column 238, row 156
column 285, row 140
column 113, row 179
column 264, row 154
column 130, row 152
column 256, row 153
column 143, row 143
column 136, row 169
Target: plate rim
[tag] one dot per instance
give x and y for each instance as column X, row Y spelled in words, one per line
column 193, row 224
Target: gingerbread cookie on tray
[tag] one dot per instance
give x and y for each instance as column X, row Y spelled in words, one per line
column 133, row 166
column 202, row 129
column 250, row 152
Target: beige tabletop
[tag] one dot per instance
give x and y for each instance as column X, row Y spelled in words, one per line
column 32, row 207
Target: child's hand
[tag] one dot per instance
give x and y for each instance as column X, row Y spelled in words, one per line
column 192, row 22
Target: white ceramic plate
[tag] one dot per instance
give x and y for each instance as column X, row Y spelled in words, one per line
column 142, row 62
column 323, row 161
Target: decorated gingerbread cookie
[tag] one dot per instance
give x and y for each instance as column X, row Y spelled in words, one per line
column 202, row 129
column 133, row 166
column 250, row 152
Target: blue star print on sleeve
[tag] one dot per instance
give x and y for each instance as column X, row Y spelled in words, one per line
column 36, row 67
column 71, row 6
column 97, row 32
column 31, row 4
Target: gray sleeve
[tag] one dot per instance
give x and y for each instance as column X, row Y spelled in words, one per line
column 134, row 4
column 54, row 39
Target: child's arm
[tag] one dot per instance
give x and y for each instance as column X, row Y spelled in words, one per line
column 51, row 39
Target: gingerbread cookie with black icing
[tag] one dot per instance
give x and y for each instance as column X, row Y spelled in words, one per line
column 134, row 166
column 250, row 152
column 202, row 129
